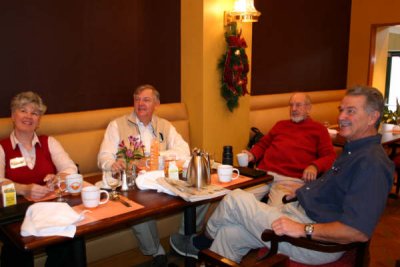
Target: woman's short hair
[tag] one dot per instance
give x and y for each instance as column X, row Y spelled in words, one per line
column 25, row 98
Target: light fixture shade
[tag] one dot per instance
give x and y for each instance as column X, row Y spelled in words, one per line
column 243, row 11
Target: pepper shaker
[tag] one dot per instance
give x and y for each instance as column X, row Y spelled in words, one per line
column 227, row 155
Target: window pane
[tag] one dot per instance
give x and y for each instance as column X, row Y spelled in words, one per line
column 394, row 83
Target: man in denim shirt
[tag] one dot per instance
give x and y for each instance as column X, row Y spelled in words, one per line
column 343, row 206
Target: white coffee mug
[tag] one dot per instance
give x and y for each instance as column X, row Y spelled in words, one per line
column 91, row 196
column 243, row 159
column 74, row 183
column 225, row 173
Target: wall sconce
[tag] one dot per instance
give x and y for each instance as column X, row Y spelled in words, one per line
column 243, row 11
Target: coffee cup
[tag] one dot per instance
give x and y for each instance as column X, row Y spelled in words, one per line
column 243, row 159
column 91, row 196
column 225, row 173
column 74, row 183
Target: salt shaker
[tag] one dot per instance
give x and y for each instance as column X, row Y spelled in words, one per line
column 124, row 186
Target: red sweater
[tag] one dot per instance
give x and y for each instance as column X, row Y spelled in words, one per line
column 290, row 147
column 23, row 175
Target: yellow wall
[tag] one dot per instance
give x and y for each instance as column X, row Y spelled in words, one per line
column 212, row 125
column 394, row 41
column 381, row 51
column 365, row 13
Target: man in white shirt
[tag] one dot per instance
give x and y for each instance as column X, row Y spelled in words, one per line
column 143, row 124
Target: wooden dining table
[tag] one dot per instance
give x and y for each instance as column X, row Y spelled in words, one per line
column 155, row 205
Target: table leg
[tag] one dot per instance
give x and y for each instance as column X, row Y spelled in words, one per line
column 190, row 220
column 190, row 228
column 11, row 255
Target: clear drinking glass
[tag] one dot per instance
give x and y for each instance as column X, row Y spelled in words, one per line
column 60, row 186
column 113, row 179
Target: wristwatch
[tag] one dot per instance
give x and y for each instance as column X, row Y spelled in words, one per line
column 308, row 230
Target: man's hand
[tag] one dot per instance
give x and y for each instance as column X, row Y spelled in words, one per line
column 251, row 156
column 118, row 165
column 310, row 173
column 286, row 226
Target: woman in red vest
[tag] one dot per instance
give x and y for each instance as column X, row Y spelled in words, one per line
column 29, row 161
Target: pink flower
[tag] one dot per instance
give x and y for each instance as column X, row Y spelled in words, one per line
column 134, row 151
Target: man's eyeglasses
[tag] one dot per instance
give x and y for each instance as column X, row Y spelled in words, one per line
column 297, row 105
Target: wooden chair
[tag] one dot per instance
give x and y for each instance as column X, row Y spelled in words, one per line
column 396, row 161
column 356, row 253
column 395, row 156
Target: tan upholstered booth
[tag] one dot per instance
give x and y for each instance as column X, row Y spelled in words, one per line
column 81, row 133
column 266, row 110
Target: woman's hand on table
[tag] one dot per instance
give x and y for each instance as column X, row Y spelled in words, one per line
column 33, row 191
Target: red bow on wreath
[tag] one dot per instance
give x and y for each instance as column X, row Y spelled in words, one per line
column 234, row 67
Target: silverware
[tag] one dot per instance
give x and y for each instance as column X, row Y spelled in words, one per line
column 124, row 202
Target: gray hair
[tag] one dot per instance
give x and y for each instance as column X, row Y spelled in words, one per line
column 374, row 99
column 29, row 97
column 143, row 87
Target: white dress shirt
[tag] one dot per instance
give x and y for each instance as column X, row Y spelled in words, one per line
column 176, row 146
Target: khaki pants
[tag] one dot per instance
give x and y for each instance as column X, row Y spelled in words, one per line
column 237, row 224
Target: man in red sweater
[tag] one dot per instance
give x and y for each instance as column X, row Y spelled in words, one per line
column 294, row 151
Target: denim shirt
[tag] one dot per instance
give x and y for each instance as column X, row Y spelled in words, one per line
column 354, row 191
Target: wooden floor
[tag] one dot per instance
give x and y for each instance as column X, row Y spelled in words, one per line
column 384, row 248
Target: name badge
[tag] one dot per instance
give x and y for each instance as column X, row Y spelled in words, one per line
column 17, row 162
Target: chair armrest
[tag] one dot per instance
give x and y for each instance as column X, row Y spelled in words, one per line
column 269, row 235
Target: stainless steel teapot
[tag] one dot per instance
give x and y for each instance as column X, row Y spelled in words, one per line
column 199, row 170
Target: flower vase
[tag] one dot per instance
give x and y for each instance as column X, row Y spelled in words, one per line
column 131, row 172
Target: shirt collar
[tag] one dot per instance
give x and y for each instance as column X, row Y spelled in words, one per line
column 360, row 143
column 15, row 141
column 138, row 122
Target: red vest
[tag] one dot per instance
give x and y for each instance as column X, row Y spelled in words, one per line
column 23, row 175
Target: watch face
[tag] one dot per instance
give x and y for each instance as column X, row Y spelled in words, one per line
column 309, row 229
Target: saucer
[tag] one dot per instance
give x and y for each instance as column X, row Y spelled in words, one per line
column 100, row 185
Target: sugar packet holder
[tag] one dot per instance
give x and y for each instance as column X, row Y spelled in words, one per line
column 9, row 195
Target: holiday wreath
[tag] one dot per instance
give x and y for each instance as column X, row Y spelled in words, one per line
column 234, row 67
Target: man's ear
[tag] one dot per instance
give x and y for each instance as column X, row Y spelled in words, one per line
column 308, row 108
column 373, row 117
